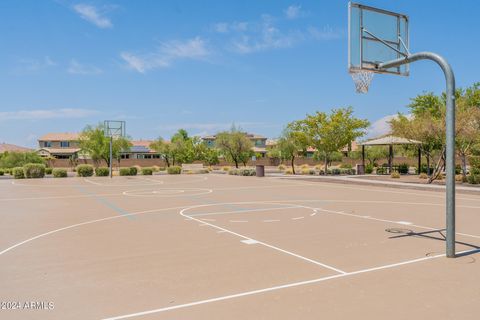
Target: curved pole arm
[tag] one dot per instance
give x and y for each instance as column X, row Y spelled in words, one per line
column 450, row 136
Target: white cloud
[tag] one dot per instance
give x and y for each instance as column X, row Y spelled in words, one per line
column 92, row 15
column 166, row 54
column 43, row 114
column 326, row 33
column 77, row 68
column 221, row 27
column 293, row 12
column 26, row 66
column 264, row 36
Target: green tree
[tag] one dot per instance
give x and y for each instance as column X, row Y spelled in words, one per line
column 234, row 145
column 329, row 133
column 12, row 159
column 290, row 145
column 94, row 143
column 165, row 149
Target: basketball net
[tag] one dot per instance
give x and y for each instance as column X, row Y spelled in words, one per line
column 362, row 80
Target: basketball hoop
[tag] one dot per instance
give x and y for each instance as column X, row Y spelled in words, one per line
column 362, row 80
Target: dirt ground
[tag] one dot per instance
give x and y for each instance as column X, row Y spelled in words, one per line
column 228, row 247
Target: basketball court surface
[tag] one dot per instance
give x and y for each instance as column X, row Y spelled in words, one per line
column 227, row 247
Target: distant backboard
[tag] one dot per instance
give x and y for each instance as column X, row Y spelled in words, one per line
column 376, row 36
column 114, row 128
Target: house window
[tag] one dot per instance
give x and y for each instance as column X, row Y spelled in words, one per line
column 47, row 144
column 258, row 143
column 124, row 156
column 64, row 144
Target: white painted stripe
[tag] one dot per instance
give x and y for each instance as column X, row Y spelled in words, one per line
column 280, row 287
column 238, row 221
column 405, row 222
column 182, row 212
column 271, row 220
column 298, row 218
column 242, row 211
column 249, row 241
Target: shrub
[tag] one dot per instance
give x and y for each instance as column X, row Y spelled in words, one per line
column 162, row 168
column 460, row 178
column 381, row 170
column 304, row 166
column 48, row 170
column 242, row 172
column 308, row 171
column 59, row 173
column 34, row 170
column 226, row 168
column 403, row 168
column 174, row 170
column 155, row 168
column 423, row 168
column 84, row 170
column 125, row 171
column 473, row 178
column 281, row 167
column 334, row 171
column 423, row 175
column 147, row 171
column 395, row 175
column 289, row 171
column 1, row 172
column 137, row 169
column 102, row 172
column 18, row 173
column 474, row 162
column 134, row 170
column 474, row 170
column 345, row 166
column 369, row 168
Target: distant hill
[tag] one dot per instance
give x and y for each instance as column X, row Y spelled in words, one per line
column 11, row 147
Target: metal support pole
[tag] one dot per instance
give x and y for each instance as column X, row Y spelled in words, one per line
column 363, row 155
column 419, row 159
column 390, row 158
column 450, row 136
column 111, row 152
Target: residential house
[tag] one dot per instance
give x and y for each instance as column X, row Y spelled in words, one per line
column 140, row 149
column 259, row 142
column 59, row 145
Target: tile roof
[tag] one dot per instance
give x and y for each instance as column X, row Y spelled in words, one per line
column 63, row 136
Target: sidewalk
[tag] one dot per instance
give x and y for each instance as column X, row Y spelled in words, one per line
column 358, row 180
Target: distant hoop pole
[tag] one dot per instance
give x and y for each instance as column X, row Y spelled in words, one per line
column 450, row 136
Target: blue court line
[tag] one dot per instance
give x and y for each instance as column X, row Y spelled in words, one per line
column 106, row 203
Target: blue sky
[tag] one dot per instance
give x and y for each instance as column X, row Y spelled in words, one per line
column 202, row 65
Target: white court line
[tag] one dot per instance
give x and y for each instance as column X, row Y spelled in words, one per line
column 85, row 223
column 238, row 221
column 280, row 287
column 271, row 220
column 405, row 222
column 298, row 218
column 242, row 211
column 249, row 241
column 182, row 213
